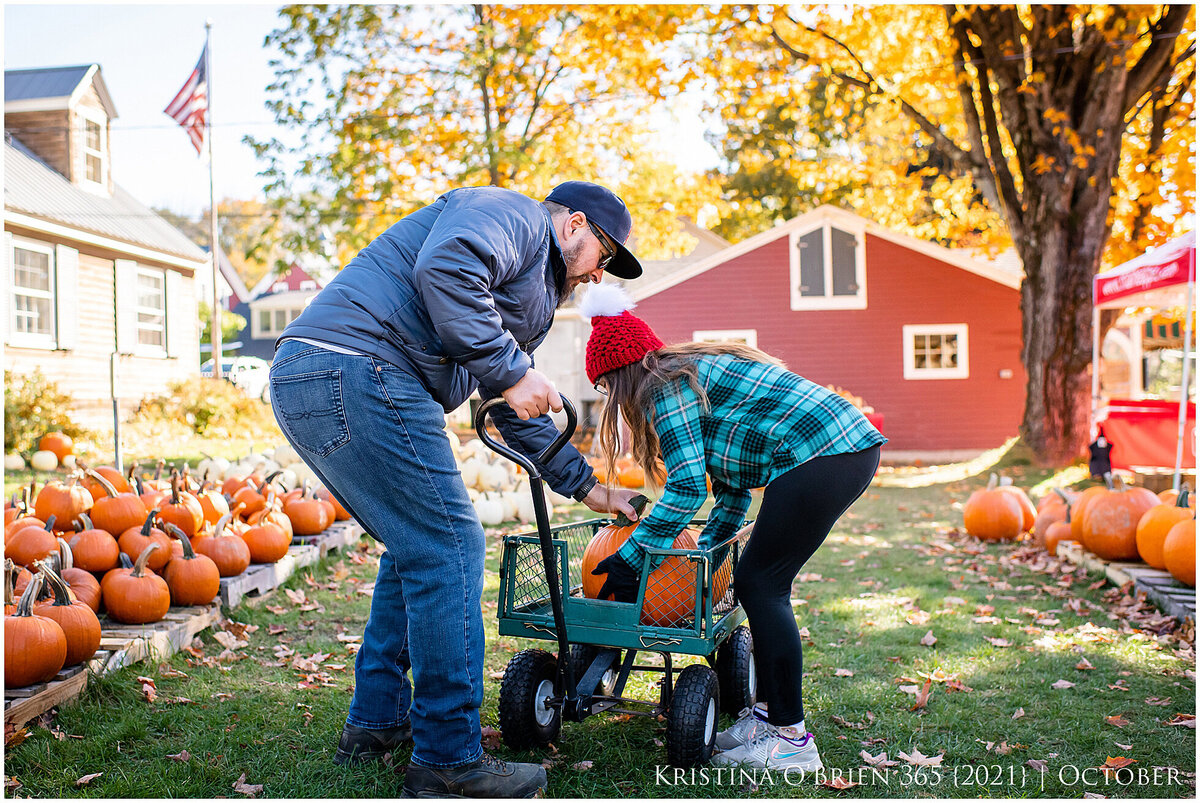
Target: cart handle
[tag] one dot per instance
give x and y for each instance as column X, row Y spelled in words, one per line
column 513, row 455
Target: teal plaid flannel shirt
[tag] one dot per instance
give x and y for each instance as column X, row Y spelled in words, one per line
column 762, row 422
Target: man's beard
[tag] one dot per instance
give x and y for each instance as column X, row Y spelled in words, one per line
column 571, row 258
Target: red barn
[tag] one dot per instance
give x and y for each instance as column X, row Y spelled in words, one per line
column 927, row 336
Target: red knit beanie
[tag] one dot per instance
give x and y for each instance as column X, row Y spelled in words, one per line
column 619, row 337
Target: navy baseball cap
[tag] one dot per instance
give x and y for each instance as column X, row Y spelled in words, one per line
column 606, row 210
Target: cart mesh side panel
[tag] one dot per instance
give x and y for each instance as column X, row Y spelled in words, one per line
column 530, row 589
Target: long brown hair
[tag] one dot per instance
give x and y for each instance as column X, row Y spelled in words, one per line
column 631, row 392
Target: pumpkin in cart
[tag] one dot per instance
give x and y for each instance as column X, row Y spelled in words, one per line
column 137, row 596
column 76, row 618
column 226, row 549
column 1179, row 552
column 1154, row 525
column 62, row 500
column 34, row 647
column 116, row 512
column 134, row 541
column 93, row 549
column 192, row 579
column 993, row 514
column 1111, row 520
column 31, row 542
column 670, row 589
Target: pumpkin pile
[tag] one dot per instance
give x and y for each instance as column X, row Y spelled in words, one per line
column 670, row 596
column 54, row 449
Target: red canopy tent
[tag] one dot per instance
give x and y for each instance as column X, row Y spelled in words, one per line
column 1141, row 430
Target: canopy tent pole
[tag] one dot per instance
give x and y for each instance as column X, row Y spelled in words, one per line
column 1185, row 381
column 1095, row 369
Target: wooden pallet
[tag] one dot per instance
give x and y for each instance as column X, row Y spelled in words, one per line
column 335, row 538
column 263, row 577
column 120, row 646
column 1171, row 596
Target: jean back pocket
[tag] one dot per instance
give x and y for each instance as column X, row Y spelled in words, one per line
column 309, row 408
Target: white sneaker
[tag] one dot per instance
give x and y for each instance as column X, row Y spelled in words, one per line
column 749, row 724
column 772, row 749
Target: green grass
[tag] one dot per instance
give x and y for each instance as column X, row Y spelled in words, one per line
column 894, row 554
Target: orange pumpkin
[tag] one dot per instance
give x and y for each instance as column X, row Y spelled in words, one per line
column 1154, row 525
column 34, row 647
column 1179, row 552
column 183, row 510
column 1170, row 495
column 30, row 542
column 134, row 541
column 116, row 512
column 339, row 513
column 57, row 442
column 1049, row 514
column 227, row 550
column 76, row 618
column 64, row 501
column 93, row 549
column 212, row 503
column 115, row 478
column 192, row 579
column 1110, row 523
column 1028, row 511
column 308, row 514
column 137, row 596
column 993, row 514
column 267, row 542
column 1079, row 509
column 82, row 584
column 1056, row 532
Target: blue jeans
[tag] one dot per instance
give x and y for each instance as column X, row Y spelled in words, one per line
column 374, row 436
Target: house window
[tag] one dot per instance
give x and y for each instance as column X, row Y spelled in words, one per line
column 827, row 269
column 264, row 320
column 746, row 336
column 308, row 284
column 151, row 310
column 279, row 287
column 935, row 351
column 95, row 168
column 33, row 299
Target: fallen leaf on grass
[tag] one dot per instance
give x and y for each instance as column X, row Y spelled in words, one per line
column 999, row 642
column 922, row 760
column 1158, row 701
column 1038, row 764
column 582, row 765
column 957, row 685
column 1091, row 795
column 247, row 789
column 913, row 689
column 838, row 783
column 1117, row 721
column 169, row 672
column 844, row 673
column 87, row 779
column 278, row 610
column 14, row 736
column 1062, row 684
column 922, row 696
column 855, row 725
column 490, row 738
column 149, row 691
column 1084, row 664
column 1020, row 712
column 297, row 597
column 275, row 630
column 182, row 756
column 880, row 760
column 227, row 640
column 928, row 640
column 1115, row 763
column 1123, row 746
column 1186, row 720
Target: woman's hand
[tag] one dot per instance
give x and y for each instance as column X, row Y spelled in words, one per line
column 603, row 499
column 622, row 581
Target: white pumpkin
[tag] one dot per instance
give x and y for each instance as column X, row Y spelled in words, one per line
column 491, row 477
column 303, row 472
column 490, row 510
column 68, row 461
column 44, row 460
column 14, row 462
column 285, row 455
column 470, row 471
column 510, row 505
column 212, row 468
column 455, row 444
column 554, row 498
column 287, row 479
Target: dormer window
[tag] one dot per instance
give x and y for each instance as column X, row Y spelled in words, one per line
column 308, row 284
column 828, row 269
column 94, row 146
column 279, row 287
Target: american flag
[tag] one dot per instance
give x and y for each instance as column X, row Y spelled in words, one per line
column 190, row 105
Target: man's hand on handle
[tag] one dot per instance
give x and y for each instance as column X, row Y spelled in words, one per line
column 533, row 395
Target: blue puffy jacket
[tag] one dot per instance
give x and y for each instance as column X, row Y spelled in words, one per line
column 459, row 292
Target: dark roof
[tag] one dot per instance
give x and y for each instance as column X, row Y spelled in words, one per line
column 34, row 188
column 53, row 82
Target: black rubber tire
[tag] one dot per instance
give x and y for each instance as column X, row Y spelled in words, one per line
column 582, row 656
column 735, row 671
column 692, row 720
column 524, row 721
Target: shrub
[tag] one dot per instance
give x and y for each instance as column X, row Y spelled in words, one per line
column 33, row 406
column 209, row 406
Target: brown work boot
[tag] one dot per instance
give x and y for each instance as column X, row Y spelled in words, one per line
column 487, row 777
column 360, row 744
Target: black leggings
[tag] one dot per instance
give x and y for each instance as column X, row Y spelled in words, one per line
column 798, row 511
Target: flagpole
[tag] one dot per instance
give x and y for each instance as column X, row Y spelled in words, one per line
column 215, row 324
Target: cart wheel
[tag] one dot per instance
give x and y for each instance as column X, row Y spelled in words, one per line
column 582, row 656
column 692, row 721
column 736, row 672
column 526, row 719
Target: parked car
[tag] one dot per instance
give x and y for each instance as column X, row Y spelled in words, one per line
column 251, row 374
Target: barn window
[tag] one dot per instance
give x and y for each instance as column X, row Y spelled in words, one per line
column 748, row 337
column 33, row 297
column 827, row 269
column 151, row 310
column 935, row 351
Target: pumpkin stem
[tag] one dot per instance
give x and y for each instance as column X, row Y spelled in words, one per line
column 1182, row 499
column 132, row 468
column 158, row 469
column 58, row 586
column 175, row 532
column 50, row 523
column 83, row 522
column 105, row 484
column 992, row 482
column 65, row 558
column 10, row 580
column 268, row 480
column 124, row 561
column 174, row 488
column 139, row 565
column 638, row 503
column 25, row 604
column 1005, row 481
column 1120, row 482
column 1063, row 496
column 219, row 527
column 1108, row 480
column 149, row 523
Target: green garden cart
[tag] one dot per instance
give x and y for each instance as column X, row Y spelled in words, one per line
column 541, row 597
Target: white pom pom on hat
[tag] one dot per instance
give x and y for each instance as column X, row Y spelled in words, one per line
column 605, row 300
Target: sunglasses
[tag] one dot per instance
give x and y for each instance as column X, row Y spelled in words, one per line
column 609, row 253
